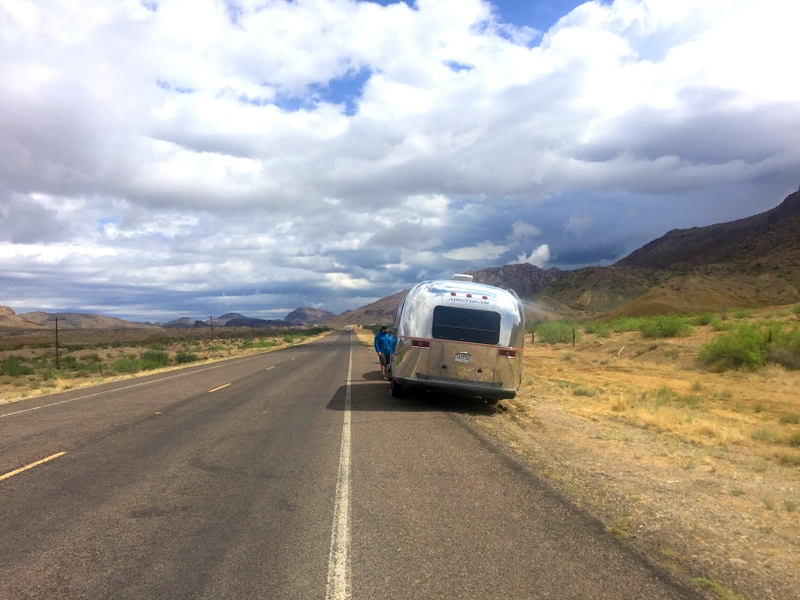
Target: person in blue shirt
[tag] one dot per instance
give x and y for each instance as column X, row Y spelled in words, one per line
column 383, row 346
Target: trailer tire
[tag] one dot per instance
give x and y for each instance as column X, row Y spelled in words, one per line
column 397, row 389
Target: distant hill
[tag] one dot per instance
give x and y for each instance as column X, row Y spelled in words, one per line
column 524, row 279
column 297, row 318
column 308, row 316
column 745, row 263
column 380, row 311
column 42, row 320
column 769, row 239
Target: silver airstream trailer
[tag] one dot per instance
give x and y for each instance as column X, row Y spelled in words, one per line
column 459, row 336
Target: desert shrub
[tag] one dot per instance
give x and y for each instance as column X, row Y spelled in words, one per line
column 704, row 319
column 621, row 324
column 266, row 344
column 584, row 391
column 598, row 328
column 720, row 324
column 13, row 367
column 708, row 319
column 796, row 310
column 556, row 332
column 664, row 395
column 743, row 347
column 69, row 362
column 154, row 359
column 184, row 357
column 785, row 347
column 127, row 364
column 661, row 326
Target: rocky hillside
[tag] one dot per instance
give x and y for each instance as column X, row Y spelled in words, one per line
column 525, row 279
column 746, row 263
column 767, row 240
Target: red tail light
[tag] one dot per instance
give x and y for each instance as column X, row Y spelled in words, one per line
column 420, row 344
column 506, row 353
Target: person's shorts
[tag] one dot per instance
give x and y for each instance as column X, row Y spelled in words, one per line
column 385, row 359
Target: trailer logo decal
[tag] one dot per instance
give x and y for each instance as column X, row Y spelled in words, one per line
column 469, row 300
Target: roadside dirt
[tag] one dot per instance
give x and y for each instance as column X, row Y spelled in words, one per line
column 694, row 469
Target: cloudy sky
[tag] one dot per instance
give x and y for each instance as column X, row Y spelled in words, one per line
column 170, row 158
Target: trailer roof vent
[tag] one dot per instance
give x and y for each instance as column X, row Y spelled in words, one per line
column 462, row 277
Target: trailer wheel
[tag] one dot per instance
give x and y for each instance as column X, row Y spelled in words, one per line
column 397, row 389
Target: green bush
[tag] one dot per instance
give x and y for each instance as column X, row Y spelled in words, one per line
column 154, row 359
column 622, row 324
column 265, row 344
column 784, row 347
column 13, row 367
column 707, row 319
column 184, row 357
column 662, row 326
column 700, row 320
column 743, row 347
column 598, row 328
column 556, row 332
column 127, row 364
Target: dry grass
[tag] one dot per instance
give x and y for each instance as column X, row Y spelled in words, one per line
column 673, row 458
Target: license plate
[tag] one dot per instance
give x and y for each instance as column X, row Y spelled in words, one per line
column 463, row 357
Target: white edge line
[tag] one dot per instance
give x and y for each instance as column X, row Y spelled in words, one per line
column 338, row 587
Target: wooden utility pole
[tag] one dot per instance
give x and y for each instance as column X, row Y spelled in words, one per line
column 55, row 318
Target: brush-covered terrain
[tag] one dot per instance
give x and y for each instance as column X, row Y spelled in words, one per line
column 31, row 366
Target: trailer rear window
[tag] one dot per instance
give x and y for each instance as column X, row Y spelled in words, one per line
column 466, row 325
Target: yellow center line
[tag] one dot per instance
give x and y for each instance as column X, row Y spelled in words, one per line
column 30, row 466
column 216, row 389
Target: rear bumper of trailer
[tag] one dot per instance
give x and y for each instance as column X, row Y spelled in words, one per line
column 486, row 390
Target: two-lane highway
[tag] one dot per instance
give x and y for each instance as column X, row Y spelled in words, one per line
column 291, row 474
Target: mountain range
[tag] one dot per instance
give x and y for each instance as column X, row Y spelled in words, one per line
column 750, row 262
column 300, row 317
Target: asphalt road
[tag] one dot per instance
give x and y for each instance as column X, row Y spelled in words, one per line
column 291, row 474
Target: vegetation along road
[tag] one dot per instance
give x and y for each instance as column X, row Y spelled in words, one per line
column 291, row 474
